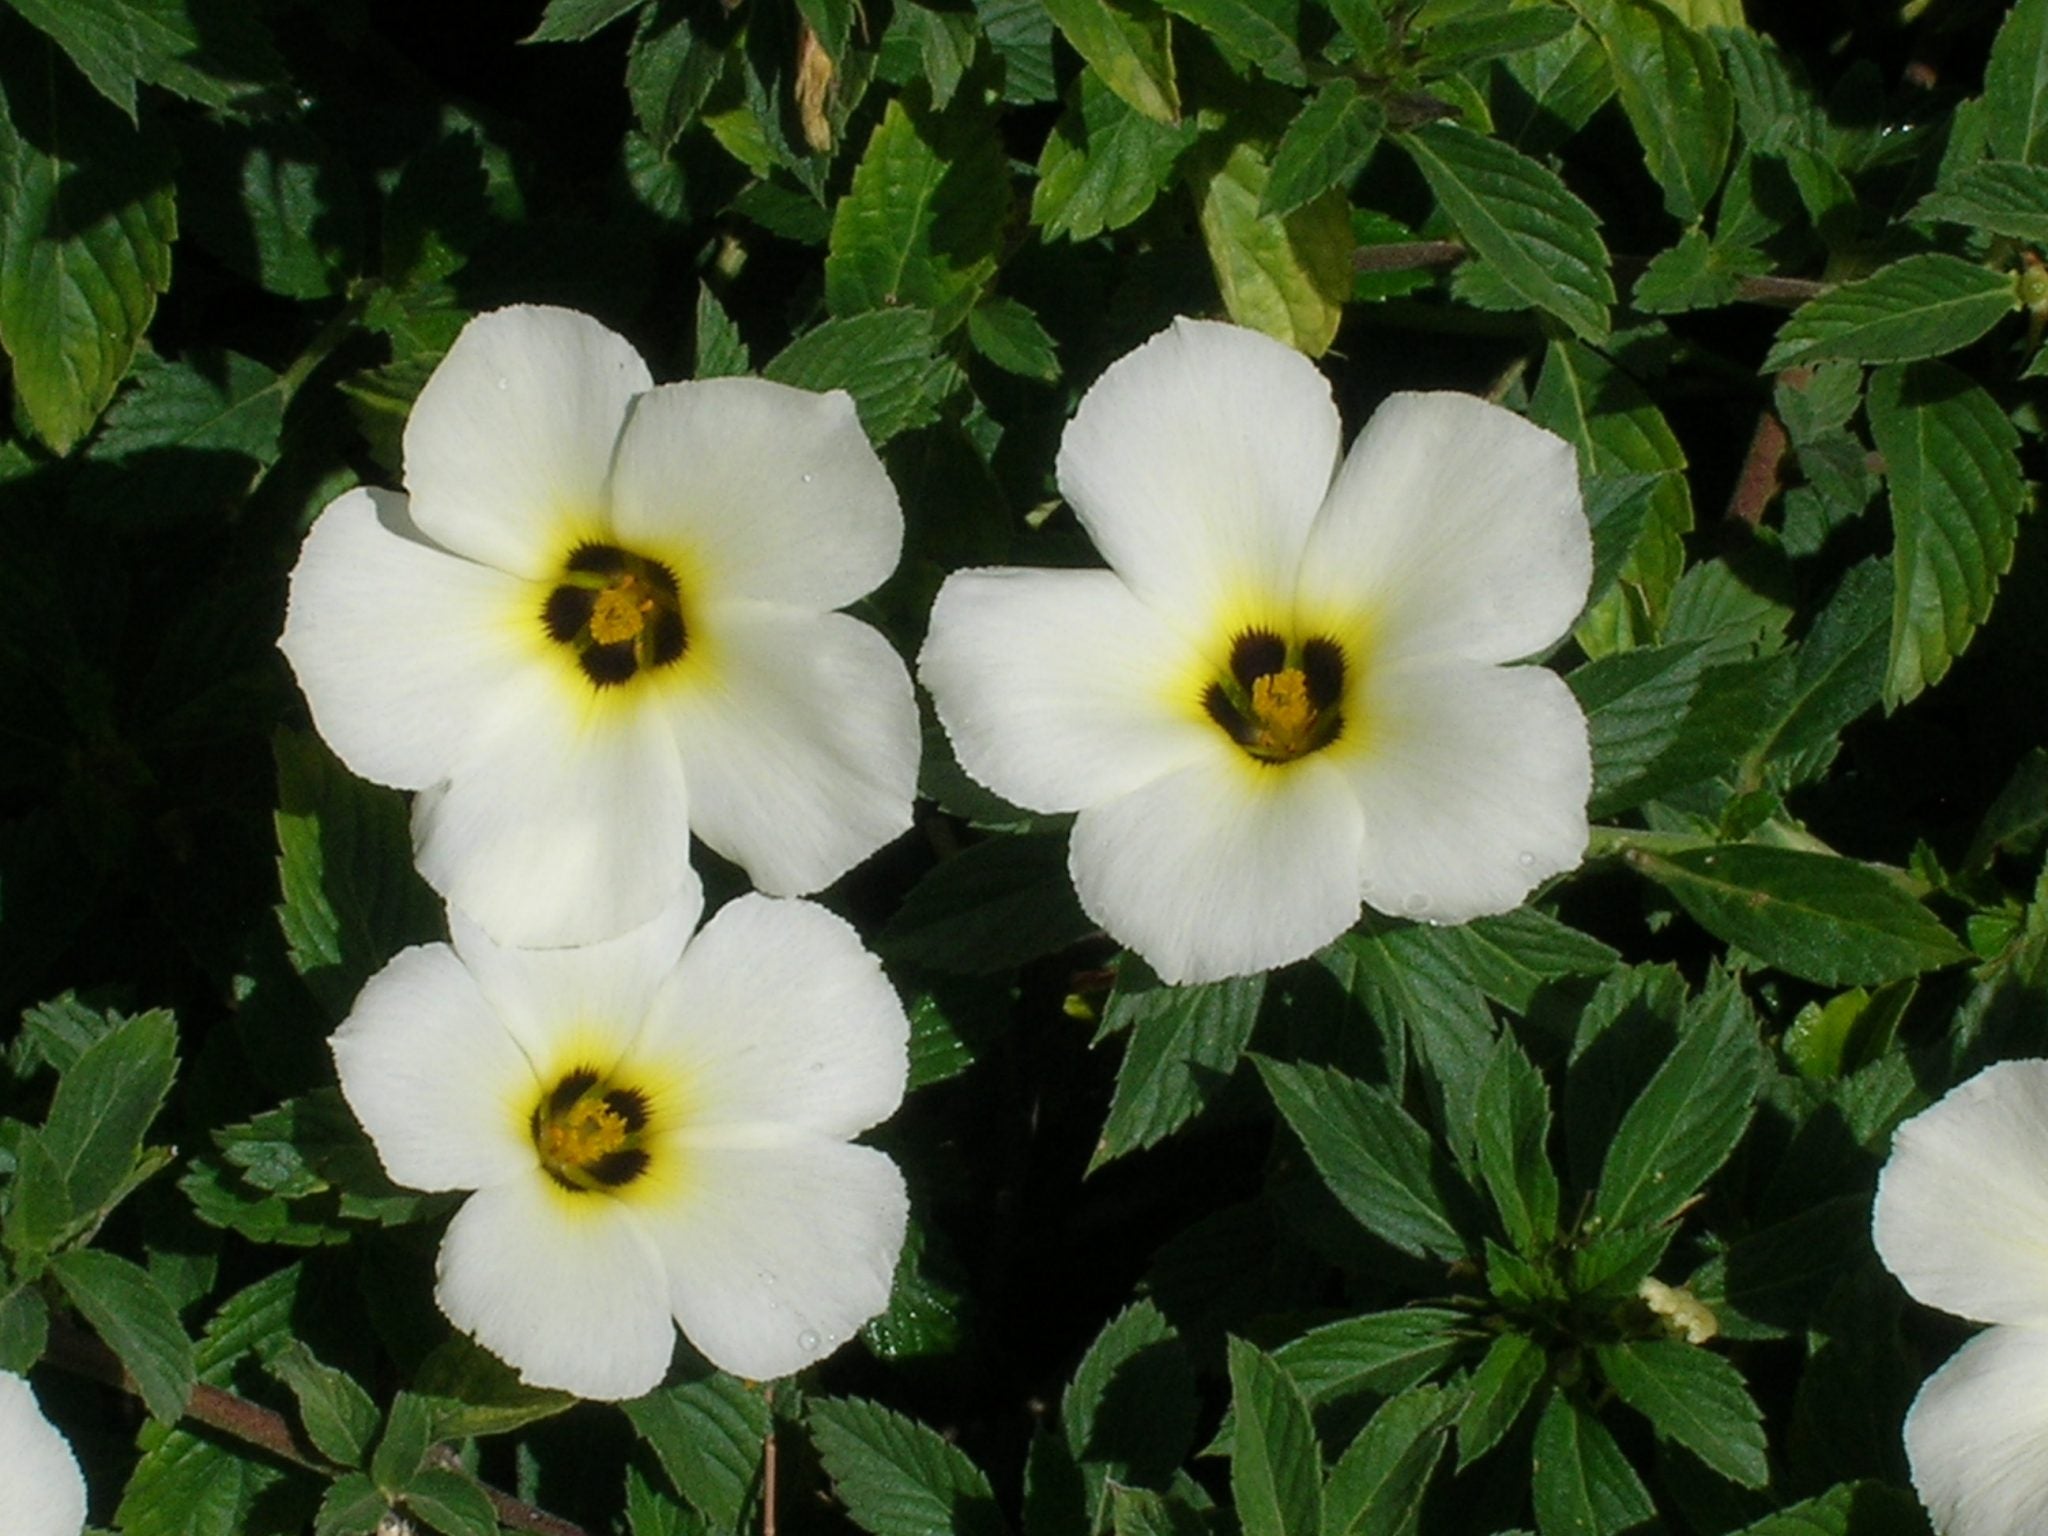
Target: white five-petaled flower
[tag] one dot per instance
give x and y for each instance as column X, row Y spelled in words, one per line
column 602, row 620
column 656, row 1135
column 42, row 1492
column 1286, row 694
column 1962, row 1219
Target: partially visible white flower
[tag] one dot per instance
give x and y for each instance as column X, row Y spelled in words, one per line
column 42, row 1492
column 656, row 1135
column 1286, row 696
column 1962, row 1219
column 603, row 620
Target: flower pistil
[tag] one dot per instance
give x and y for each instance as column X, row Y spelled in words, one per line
column 589, row 1134
column 1280, row 703
column 619, row 612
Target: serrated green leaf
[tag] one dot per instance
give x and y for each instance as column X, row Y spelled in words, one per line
column 1695, row 274
column 340, row 1418
column 1676, row 97
column 832, row 21
column 85, row 244
column 1921, row 306
column 1663, row 717
column 570, row 21
column 1326, row 145
column 1183, row 1045
column 1849, row 1509
column 1260, row 31
column 451, row 1502
column 1513, row 1122
column 1289, row 277
column 1848, row 1031
column 923, row 1317
column 1384, row 1353
column 2016, row 85
column 1692, row 1397
column 24, row 1329
column 38, row 1204
column 312, row 1145
column 402, row 1451
column 188, row 439
column 1501, row 1386
column 671, row 69
column 1276, row 1468
column 2005, row 197
column 1020, row 34
column 707, row 1433
column 1952, row 468
column 1129, row 44
column 472, row 1392
column 352, row 1505
column 1009, row 335
column 1583, row 1484
column 1812, row 915
column 721, row 351
column 1513, row 956
column 1544, row 95
column 1129, row 1413
column 1377, row 1161
column 1104, row 163
column 129, row 1311
column 1378, row 1484
column 991, row 906
column 104, row 1105
column 886, row 360
column 1514, row 212
column 895, row 1476
column 1465, row 40
column 1840, row 666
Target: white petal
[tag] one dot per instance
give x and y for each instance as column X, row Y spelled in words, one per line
column 1977, row 1437
column 778, row 1253
column 567, row 1289
column 1962, row 1204
column 764, row 491
column 566, row 824
column 1059, row 689
column 778, row 1015
column 1226, row 867
column 1197, row 463
column 43, row 1492
column 403, row 649
column 800, row 745
column 434, row 1076
column 1456, row 527
column 510, row 443
column 1474, row 782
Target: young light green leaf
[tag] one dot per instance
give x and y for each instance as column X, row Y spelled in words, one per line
column 2004, row 197
column 1104, row 163
column 895, row 1476
column 1183, row 1046
column 886, row 360
column 104, row 1105
column 340, row 1418
column 1695, row 1398
column 1952, row 467
column 1583, row 1484
column 1276, row 1467
column 707, row 1432
column 1501, row 1386
column 1921, row 306
column 2016, row 85
column 1326, row 145
column 130, row 1312
column 1513, row 1116
column 1289, row 277
column 1515, row 213
column 1677, row 98
column 1378, row 1484
column 1812, row 915
column 1129, row 43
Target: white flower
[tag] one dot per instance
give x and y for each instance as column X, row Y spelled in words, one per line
column 603, row 620
column 1285, row 695
column 657, row 1135
column 1962, row 1220
column 42, row 1492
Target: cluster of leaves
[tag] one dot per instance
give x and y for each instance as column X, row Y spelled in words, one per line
column 1556, row 1221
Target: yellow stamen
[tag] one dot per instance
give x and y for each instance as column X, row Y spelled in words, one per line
column 580, row 1135
column 1283, row 713
column 621, row 612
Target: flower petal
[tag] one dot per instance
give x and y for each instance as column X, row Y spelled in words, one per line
column 1977, row 1436
column 800, row 746
column 566, row 823
column 402, row 648
column 1474, row 782
column 1456, row 527
column 777, row 1253
column 765, row 491
column 1962, row 1204
column 778, row 1015
column 510, row 443
column 1224, row 867
column 1197, row 463
column 1059, row 689
column 45, row 1491
column 567, row 1289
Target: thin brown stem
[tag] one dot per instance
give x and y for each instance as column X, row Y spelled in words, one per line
column 1758, row 484
column 768, row 1469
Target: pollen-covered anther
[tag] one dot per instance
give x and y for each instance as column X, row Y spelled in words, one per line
column 587, row 1136
column 621, row 611
column 1283, row 715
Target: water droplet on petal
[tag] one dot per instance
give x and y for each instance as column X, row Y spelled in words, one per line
column 503, row 382
column 1526, row 859
column 807, row 1341
column 807, row 479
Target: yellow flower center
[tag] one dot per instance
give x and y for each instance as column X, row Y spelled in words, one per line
column 1283, row 719
column 590, row 1135
column 621, row 611
column 618, row 613
column 1280, row 702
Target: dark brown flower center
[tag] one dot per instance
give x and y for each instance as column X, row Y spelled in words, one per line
column 590, row 1134
column 1280, row 702
column 621, row 613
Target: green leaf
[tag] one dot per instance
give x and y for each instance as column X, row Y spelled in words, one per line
column 1848, row 1509
column 895, row 1476
column 312, row 1146
column 991, row 906
column 708, row 1432
column 1952, row 467
column 1020, row 34
column 1584, row 1486
column 1276, row 1468
column 451, row 1502
column 1501, row 1386
column 1650, row 718
column 1688, row 1118
column 184, row 439
column 832, row 20
column 1378, row 1484
column 24, row 1329
column 1463, row 41
column 570, row 21
column 86, row 223
column 721, row 350
column 1129, row 44
column 104, row 1105
column 1009, row 335
column 1259, row 31
column 1514, row 212
column 1692, row 1397
column 885, row 360
column 2016, row 85
column 671, row 69
column 352, row 1505
column 1104, row 163
column 340, row 1418
column 1326, row 145
column 1919, row 307
column 1382, row 1352
column 1513, row 956
column 408, row 1435
column 1513, row 1126
column 1129, row 1412
column 1381, row 1165
column 1848, row 1031
column 1840, row 667
column 130, row 1312
column 38, row 1205
column 1696, row 273
column 922, row 222
column 472, row 1392
column 1677, row 99
column 1289, row 277
column 1184, row 1044
column 2004, row 197
column 923, row 1317
column 1812, row 915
